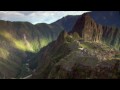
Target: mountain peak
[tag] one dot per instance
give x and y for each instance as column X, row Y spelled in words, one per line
column 85, row 19
column 90, row 30
column 86, row 16
column 85, row 26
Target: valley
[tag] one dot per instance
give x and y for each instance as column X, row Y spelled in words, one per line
column 20, row 41
column 83, row 46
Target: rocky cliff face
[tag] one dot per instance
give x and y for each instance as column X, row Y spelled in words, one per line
column 111, row 36
column 89, row 30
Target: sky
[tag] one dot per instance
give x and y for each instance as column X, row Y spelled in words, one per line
column 36, row 16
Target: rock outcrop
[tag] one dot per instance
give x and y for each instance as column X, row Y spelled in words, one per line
column 89, row 30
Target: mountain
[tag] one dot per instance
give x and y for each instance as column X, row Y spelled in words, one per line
column 84, row 46
column 106, row 18
column 89, row 30
column 67, row 22
column 19, row 42
column 71, row 57
column 89, row 51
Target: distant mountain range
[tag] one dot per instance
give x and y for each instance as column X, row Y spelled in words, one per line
column 107, row 18
column 67, row 22
column 72, row 47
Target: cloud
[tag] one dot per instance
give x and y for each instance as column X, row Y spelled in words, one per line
column 36, row 16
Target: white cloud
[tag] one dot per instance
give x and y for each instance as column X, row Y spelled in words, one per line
column 36, row 16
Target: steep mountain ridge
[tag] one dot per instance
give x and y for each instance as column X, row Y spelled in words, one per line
column 89, row 30
column 19, row 42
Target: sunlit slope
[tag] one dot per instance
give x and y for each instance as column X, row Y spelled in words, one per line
column 18, row 40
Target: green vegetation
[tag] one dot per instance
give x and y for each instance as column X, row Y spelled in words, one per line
column 60, row 53
column 111, row 37
column 4, row 53
column 19, row 44
column 70, row 57
column 44, row 42
column 117, row 56
column 69, row 38
column 20, row 41
column 76, row 36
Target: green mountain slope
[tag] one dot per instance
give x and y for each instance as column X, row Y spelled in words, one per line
column 89, row 51
column 71, row 57
column 20, row 41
